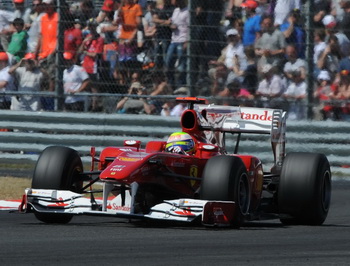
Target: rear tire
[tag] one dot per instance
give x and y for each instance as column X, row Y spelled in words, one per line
column 225, row 178
column 304, row 191
column 57, row 168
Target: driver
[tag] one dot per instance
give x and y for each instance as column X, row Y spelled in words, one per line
column 180, row 142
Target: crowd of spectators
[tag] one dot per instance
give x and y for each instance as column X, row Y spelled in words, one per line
column 250, row 52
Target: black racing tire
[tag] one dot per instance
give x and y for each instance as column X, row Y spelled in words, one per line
column 304, row 190
column 57, row 168
column 225, row 178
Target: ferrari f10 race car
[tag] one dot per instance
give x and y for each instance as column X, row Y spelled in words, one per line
column 205, row 184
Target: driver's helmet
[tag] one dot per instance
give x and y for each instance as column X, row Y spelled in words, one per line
column 180, row 140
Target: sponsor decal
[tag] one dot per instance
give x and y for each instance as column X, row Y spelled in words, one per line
column 193, row 173
column 130, row 142
column 128, row 159
column 117, row 168
column 262, row 117
column 58, row 204
column 209, row 147
column 116, row 207
column 185, row 212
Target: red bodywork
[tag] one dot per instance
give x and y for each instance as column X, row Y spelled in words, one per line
column 176, row 175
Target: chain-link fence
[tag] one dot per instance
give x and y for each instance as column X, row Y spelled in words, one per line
column 139, row 57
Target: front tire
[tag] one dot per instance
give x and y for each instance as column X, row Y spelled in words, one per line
column 225, row 178
column 304, row 191
column 57, row 168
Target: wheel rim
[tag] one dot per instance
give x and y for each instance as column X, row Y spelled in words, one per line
column 243, row 194
column 326, row 191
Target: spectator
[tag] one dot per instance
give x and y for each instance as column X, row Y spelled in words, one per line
column 46, row 49
column 232, row 59
column 6, row 18
column 18, row 45
column 29, row 78
column 294, row 64
column 250, row 74
column 75, row 80
column 22, row 12
column 331, row 26
column 170, row 108
column 319, row 46
column 293, row 33
column 178, row 45
column 270, row 88
column 34, row 31
column 85, row 12
column 161, row 18
column 160, row 87
column 283, row 8
column 330, row 57
column 341, row 94
column 270, row 48
column 92, row 49
column 345, row 22
column 107, row 8
column 234, row 94
column 6, row 81
column 133, row 105
column 72, row 38
column 130, row 18
column 322, row 109
column 296, row 96
column 321, row 8
column 252, row 23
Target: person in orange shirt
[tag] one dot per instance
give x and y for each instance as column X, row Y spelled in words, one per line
column 46, row 48
column 130, row 19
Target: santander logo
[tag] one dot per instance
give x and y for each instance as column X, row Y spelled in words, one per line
column 263, row 117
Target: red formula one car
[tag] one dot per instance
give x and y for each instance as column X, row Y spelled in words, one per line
column 205, row 184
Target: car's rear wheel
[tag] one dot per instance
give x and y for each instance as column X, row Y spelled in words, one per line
column 304, row 191
column 225, row 178
column 57, row 168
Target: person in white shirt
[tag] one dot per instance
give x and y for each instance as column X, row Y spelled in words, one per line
column 6, row 81
column 29, row 78
column 75, row 80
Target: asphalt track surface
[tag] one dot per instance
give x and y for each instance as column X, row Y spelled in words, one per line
column 108, row 241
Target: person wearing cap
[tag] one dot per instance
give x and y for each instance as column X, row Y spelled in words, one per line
column 330, row 57
column 6, row 81
column 270, row 47
column 332, row 29
column 29, row 78
column 18, row 45
column 73, row 37
column 171, row 108
column 232, row 60
column 271, row 87
column 323, row 93
column 252, row 22
column 75, row 80
column 131, row 104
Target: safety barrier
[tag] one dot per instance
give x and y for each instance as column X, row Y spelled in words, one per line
column 23, row 135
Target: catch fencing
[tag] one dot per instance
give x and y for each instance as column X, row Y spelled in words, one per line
column 24, row 135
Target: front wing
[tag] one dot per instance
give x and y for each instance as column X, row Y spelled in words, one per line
column 211, row 213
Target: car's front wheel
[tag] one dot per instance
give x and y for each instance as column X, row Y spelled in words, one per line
column 225, row 178
column 57, row 168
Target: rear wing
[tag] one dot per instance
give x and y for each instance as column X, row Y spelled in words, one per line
column 215, row 120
